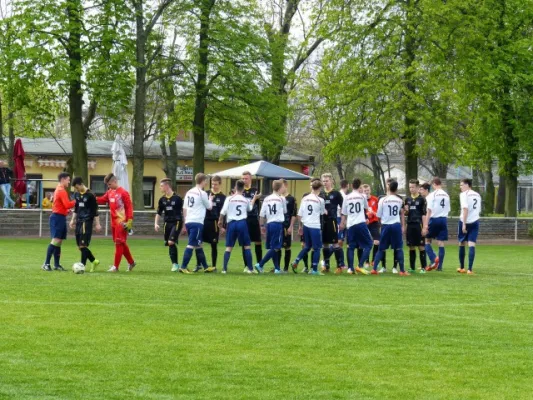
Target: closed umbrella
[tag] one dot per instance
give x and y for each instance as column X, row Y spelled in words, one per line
column 120, row 163
column 19, row 171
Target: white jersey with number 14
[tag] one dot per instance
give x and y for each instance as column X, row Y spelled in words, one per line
column 274, row 208
column 390, row 209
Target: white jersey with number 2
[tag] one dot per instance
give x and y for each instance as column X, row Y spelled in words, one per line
column 196, row 204
column 274, row 208
column 390, row 209
column 311, row 209
column 236, row 208
column 354, row 207
column 472, row 201
column 439, row 203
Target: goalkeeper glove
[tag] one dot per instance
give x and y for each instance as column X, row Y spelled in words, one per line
column 129, row 224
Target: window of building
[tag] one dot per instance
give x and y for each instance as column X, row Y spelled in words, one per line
column 33, row 189
column 149, row 191
column 97, row 186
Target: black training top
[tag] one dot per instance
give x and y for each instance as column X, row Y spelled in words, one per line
column 172, row 207
column 249, row 194
column 86, row 207
column 292, row 210
column 333, row 200
column 417, row 209
column 218, row 202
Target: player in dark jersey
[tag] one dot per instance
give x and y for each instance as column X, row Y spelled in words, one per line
column 211, row 229
column 171, row 206
column 252, row 221
column 85, row 214
column 415, row 210
column 330, row 229
column 288, row 224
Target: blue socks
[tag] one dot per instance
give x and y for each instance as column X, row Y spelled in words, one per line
column 315, row 259
column 187, row 254
column 57, row 255
column 378, row 258
column 400, row 257
column 271, row 254
column 350, row 255
column 430, row 253
column 471, row 257
column 442, row 252
column 227, row 255
column 462, row 255
column 200, row 256
column 248, row 259
column 366, row 255
column 49, row 252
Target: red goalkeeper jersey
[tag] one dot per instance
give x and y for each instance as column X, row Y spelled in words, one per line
column 120, row 205
column 373, row 203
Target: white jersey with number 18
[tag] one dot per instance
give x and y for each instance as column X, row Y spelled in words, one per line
column 236, row 208
column 274, row 208
column 390, row 209
column 311, row 209
column 439, row 203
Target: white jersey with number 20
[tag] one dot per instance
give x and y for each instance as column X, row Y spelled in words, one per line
column 311, row 209
column 439, row 203
column 390, row 209
column 354, row 207
column 236, row 208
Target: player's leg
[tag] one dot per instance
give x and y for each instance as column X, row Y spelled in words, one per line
column 363, row 240
column 316, row 242
column 60, row 235
column 214, row 245
column 384, row 243
column 270, row 254
column 472, row 232
column 350, row 249
column 441, row 238
column 245, row 242
column 199, row 250
column 231, row 238
column 287, row 244
column 337, row 248
column 192, row 232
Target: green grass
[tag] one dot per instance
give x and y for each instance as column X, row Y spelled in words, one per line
column 152, row 334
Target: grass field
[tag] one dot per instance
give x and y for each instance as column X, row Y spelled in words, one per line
column 152, row 334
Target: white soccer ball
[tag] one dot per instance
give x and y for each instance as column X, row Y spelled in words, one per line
column 78, row 268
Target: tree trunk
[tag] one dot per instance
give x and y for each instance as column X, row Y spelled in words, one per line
column 11, row 140
column 379, row 175
column 488, row 198
column 441, row 169
column 75, row 95
column 139, row 129
column 511, row 161
column 3, row 146
column 500, row 202
column 338, row 165
column 170, row 158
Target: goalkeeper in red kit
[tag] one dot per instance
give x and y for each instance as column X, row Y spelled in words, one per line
column 121, row 208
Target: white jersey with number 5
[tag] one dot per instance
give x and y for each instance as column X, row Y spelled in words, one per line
column 472, row 201
column 236, row 208
column 311, row 209
column 196, row 203
column 390, row 209
column 274, row 208
column 439, row 203
column 354, row 207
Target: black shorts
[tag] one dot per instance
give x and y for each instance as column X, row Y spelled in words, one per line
column 172, row 231
column 287, row 238
column 211, row 231
column 84, row 232
column 414, row 235
column 254, row 230
column 375, row 230
column 330, row 231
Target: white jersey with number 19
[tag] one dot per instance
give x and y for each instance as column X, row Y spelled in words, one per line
column 236, row 208
column 439, row 203
column 354, row 207
column 390, row 209
column 472, row 201
column 274, row 208
column 196, row 203
column 311, row 209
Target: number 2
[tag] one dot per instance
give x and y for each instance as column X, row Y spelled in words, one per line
column 474, row 207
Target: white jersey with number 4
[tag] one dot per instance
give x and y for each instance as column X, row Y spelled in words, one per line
column 274, row 208
column 390, row 209
column 354, row 207
column 311, row 209
column 196, row 204
column 439, row 203
column 236, row 208
column 472, row 201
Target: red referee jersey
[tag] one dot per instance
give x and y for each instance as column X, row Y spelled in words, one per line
column 62, row 204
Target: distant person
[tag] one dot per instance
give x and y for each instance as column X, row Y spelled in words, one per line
column 288, row 225
column 211, row 229
column 5, row 184
column 58, row 222
column 253, row 216
column 415, row 210
column 47, row 201
column 330, row 230
column 468, row 224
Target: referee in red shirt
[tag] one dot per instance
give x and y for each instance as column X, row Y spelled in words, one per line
column 58, row 222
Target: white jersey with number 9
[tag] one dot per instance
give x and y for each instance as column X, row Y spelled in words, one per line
column 311, row 209
column 390, row 209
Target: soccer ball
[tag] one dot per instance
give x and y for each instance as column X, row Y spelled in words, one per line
column 78, row 268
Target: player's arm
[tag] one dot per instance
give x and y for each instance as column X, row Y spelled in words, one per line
column 63, row 198
column 464, row 207
column 73, row 219
column 208, row 201
column 93, row 206
column 344, row 212
column 300, row 225
column 402, row 219
column 103, row 200
column 128, row 209
column 223, row 213
column 379, row 214
column 158, row 215
column 294, row 215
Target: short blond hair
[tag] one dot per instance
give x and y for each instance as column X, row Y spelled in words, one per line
column 200, row 178
column 366, row 186
column 247, row 173
column 327, row 175
column 276, row 185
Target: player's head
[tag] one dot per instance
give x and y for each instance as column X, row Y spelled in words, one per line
column 388, row 181
column 48, row 195
column 165, row 185
column 239, row 186
column 247, row 178
column 356, row 184
column 64, row 179
column 284, row 186
column 424, row 189
column 316, row 185
column 344, row 185
column 277, row 186
column 367, row 190
column 111, row 181
column 414, row 186
column 436, row 182
column 216, row 182
column 393, row 187
column 77, row 182
column 327, row 181
column 466, row 184
column 200, row 179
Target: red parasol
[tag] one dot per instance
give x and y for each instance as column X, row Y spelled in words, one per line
column 19, row 171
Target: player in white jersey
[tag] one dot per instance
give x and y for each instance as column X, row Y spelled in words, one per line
column 196, row 202
column 391, row 213
column 236, row 209
column 344, row 192
column 436, row 223
column 358, row 236
column 311, row 210
column 468, row 224
column 273, row 213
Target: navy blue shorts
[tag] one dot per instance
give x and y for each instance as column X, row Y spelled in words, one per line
column 275, row 234
column 195, row 232
column 313, row 238
column 438, row 229
column 359, row 237
column 343, row 233
column 238, row 230
column 391, row 237
column 472, row 231
column 58, row 226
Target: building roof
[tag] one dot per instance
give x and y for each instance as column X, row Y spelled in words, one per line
column 152, row 149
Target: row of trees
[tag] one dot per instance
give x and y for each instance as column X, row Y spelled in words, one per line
column 450, row 81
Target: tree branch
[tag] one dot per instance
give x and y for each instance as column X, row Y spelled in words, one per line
column 89, row 118
column 157, row 15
